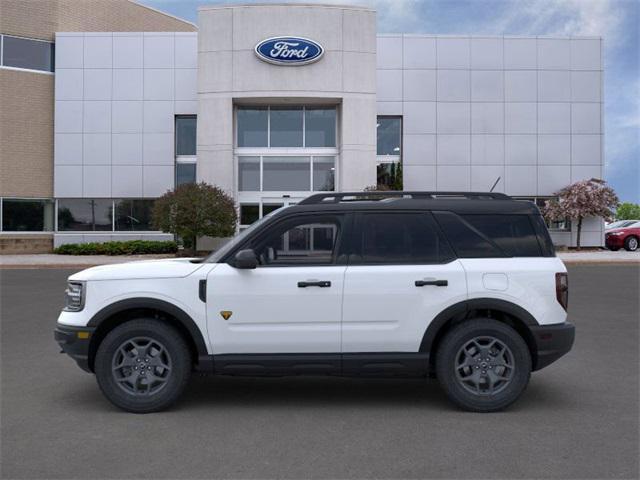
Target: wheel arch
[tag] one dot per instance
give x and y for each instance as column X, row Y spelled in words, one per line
column 124, row 310
column 497, row 309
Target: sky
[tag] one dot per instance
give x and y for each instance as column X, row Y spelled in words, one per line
column 617, row 21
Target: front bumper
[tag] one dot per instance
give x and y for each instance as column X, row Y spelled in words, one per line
column 614, row 241
column 552, row 342
column 74, row 341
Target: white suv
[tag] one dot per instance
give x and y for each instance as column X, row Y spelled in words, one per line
column 465, row 286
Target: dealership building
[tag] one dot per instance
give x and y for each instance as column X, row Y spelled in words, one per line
column 120, row 103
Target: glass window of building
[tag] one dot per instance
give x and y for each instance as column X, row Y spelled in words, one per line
column 286, row 127
column 389, row 151
column 286, row 173
column 85, row 215
column 249, row 174
column 186, row 135
column 253, row 126
column 185, row 173
column 26, row 53
column 133, row 215
column 27, row 215
column 249, row 213
column 389, row 136
column 320, row 127
column 324, row 169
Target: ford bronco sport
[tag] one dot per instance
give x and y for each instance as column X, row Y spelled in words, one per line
column 463, row 286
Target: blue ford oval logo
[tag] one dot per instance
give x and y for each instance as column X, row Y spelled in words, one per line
column 289, row 50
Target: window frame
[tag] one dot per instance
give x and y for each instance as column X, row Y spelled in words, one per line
column 22, row 69
column 355, row 247
column 550, row 227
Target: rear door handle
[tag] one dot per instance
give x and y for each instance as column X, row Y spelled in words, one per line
column 436, row 283
column 314, row 283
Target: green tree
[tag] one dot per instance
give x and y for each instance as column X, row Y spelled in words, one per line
column 195, row 210
column 628, row 211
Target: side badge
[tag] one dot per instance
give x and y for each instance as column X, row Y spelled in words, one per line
column 226, row 314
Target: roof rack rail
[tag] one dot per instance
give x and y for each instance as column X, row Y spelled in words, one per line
column 335, row 197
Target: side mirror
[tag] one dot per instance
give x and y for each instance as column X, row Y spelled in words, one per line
column 245, row 259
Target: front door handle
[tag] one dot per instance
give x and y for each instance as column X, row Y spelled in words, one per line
column 437, row 283
column 314, row 283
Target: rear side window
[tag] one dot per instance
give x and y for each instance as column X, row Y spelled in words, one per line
column 467, row 241
column 544, row 239
column 512, row 233
column 400, row 238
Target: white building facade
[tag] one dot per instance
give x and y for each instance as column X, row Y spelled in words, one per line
column 521, row 115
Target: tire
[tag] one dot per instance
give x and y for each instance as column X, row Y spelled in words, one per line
column 465, row 379
column 143, row 366
column 631, row 243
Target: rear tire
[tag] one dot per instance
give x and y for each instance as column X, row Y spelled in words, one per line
column 143, row 365
column 483, row 365
column 631, row 243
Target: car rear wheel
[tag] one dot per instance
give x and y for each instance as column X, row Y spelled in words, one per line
column 483, row 365
column 143, row 366
column 631, row 244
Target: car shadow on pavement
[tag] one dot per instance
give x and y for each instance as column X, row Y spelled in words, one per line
column 281, row 393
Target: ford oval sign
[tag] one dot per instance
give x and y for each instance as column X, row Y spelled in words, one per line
column 289, row 51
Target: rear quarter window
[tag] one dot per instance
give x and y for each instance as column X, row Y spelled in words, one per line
column 512, row 233
column 491, row 235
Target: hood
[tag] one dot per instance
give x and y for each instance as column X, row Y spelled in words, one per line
column 163, row 268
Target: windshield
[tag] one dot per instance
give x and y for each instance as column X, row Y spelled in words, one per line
column 621, row 224
column 216, row 255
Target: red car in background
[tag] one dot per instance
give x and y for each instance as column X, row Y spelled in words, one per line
column 626, row 237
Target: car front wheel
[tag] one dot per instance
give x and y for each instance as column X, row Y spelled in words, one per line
column 483, row 365
column 631, row 244
column 143, row 366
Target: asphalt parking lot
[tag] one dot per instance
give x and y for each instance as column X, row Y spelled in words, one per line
column 578, row 418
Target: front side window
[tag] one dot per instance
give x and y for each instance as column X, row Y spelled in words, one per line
column 85, row 215
column 133, row 215
column 26, row 53
column 27, row 215
column 302, row 241
column 398, row 238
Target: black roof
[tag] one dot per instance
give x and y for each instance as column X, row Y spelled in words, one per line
column 457, row 202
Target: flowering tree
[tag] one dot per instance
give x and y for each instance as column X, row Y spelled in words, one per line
column 195, row 210
column 586, row 198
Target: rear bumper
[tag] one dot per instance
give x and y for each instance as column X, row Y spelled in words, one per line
column 552, row 342
column 74, row 341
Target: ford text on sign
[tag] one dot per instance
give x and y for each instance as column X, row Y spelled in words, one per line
column 289, row 50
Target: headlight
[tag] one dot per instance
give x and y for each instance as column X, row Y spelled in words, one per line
column 616, row 233
column 74, row 297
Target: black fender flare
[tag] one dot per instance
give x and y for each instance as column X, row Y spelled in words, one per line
column 459, row 310
column 153, row 303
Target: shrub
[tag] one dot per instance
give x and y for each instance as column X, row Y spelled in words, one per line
column 131, row 247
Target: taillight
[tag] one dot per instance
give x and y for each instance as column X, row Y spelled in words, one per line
column 562, row 289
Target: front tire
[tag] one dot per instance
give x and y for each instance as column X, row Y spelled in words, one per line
column 631, row 244
column 143, row 366
column 483, row 365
